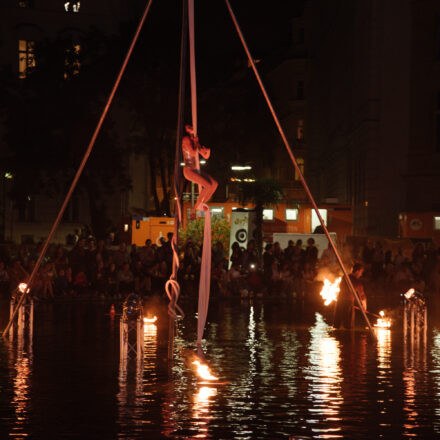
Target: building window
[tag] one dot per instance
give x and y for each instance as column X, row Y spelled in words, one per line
column 292, row 214
column 217, row 211
column 72, row 61
column 300, row 129
column 267, row 214
column 72, row 6
column 26, row 57
column 300, row 90
column 315, row 220
column 437, row 223
column 300, row 162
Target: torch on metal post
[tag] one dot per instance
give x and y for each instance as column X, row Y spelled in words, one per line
column 131, row 335
column 24, row 325
column 415, row 317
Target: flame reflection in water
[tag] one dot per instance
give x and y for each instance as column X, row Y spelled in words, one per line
column 324, row 376
column 21, row 363
column 201, row 410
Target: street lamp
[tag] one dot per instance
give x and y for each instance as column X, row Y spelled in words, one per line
column 240, row 167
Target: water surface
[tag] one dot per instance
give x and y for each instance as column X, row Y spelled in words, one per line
column 284, row 373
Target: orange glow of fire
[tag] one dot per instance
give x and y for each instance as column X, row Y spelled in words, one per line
column 203, row 371
column 383, row 322
column 330, row 291
column 23, row 287
column 150, row 320
column 409, row 294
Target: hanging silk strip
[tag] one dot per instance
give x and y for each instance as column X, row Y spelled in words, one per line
column 205, row 276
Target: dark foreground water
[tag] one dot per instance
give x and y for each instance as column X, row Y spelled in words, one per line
column 283, row 371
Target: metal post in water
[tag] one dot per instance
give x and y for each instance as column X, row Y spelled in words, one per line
column 405, row 319
column 425, row 326
column 31, row 320
column 11, row 313
column 21, row 316
column 412, row 324
column 140, row 338
column 417, row 325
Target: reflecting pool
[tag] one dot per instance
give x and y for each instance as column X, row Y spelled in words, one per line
column 283, row 374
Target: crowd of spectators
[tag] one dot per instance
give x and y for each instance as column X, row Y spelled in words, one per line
column 103, row 269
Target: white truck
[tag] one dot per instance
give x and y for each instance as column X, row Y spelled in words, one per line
column 321, row 241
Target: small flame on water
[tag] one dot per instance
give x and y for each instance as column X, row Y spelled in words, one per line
column 150, row 320
column 383, row 322
column 330, row 291
column 408, row 295
column 203, row 371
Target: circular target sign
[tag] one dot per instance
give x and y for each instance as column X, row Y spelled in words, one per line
column 241, row 235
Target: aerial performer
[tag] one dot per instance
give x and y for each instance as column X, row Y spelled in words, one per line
column 191, row 149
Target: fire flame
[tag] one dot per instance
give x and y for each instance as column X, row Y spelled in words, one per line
column 23, row 287
column 383, row 322
column 203, row 371
column 330, row 291
column 150, row 320
column 409, row 294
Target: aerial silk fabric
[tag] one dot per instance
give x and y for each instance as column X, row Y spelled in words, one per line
column 205, row 269
column 205, row 276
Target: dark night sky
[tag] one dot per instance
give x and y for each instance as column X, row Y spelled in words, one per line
column 266, row 28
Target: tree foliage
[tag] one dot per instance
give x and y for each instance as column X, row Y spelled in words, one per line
column 194, row 230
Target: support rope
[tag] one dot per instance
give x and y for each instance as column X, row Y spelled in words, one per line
column 295, row 164
column 172, row 287
column 82, row 165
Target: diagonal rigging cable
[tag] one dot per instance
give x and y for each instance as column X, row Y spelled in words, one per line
column 295, row 164
column 81, row 167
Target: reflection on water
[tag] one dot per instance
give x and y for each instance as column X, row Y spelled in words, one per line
column 201, row 413
column 384, row 372
column 282, row 375
column 324, row 374
column 435, row 372
column 20, row 364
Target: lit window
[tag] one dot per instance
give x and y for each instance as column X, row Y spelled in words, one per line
column 217, row 211
column 72, row 6
column 436, row 223
column 267, row 214
column 315, row 220
column 300, row 162
column 26, row 57
column 72, row 61
column 292, row 214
